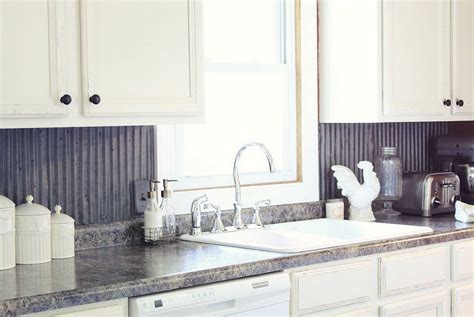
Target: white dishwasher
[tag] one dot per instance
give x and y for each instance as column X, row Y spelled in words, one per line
column 254, row 296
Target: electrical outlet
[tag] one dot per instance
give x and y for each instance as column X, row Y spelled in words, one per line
column 141, row 188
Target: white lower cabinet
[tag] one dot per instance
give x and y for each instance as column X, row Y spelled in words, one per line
column 114, row 308
column 463, row 301
column 314, row 294
column 462, row 260
column 432, row 305
column 398, row 276
column 435, row 280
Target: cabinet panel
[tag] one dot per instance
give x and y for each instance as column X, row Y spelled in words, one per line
column 463, row 301
column 433, row 305
column 32, row 58
column 416, row 58
column 412, row 270
column 462, row 260
column 335, row 286
column 463, row 56
column 140, row 57
column 113, row 308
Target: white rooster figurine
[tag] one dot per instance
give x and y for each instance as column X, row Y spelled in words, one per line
column 360, row 195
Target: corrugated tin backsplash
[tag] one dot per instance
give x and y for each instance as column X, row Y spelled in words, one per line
column 89, row 171
column 347, row 144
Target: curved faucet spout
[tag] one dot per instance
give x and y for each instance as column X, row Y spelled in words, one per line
column 238, row 197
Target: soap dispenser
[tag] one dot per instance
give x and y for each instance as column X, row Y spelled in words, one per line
column 169, row 226
column 153, row 216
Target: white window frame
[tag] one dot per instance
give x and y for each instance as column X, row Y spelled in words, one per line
column 306, row 187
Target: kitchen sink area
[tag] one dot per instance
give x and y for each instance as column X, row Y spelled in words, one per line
column 308, row 235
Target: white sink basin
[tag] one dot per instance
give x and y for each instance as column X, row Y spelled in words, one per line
column 308, row 235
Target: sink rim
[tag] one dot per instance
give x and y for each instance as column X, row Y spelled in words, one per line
column 210, row 238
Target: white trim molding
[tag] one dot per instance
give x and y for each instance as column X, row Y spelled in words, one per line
column 306, row 189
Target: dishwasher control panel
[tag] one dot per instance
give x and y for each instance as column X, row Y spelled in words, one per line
column 172, row 300
column 267, row 295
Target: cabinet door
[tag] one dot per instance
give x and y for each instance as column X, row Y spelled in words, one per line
column 463, row 57
column 432, row 305
column 416, row 58
column 31, row 58
column 463, row 301
column 141, row 57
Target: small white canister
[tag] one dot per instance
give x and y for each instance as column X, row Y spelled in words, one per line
column 33, row 233
column 335, row 208
column 7, row 233
column 62, row 234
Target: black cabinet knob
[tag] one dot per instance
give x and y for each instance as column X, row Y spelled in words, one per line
column 447, row 102
column 95, row 99
column 460, row 102
column 66, row 99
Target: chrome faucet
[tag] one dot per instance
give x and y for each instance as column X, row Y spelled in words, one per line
column 237, row 223
column 196, row 212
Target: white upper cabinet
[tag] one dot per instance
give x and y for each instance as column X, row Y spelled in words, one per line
column 127, row 62
column 32, row 71
column 396, row 60
column 139, row 57
column 463, row 58
column 416, row 63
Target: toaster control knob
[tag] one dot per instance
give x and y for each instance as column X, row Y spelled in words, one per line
column 436, row 202
column 454, row 199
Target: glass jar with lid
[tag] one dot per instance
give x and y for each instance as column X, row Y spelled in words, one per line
column 388, row 167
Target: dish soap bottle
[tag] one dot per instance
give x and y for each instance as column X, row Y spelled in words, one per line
column 169, row 226
column 153, row 216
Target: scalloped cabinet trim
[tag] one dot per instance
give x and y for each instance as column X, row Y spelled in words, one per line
column 433, row 280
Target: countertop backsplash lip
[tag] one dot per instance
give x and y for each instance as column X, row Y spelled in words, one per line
column 129, row 232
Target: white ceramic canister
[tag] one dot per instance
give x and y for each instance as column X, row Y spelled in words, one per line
column 33, row 233
column 62, row 235
column 7, row 233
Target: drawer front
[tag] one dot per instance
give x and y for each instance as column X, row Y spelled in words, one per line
column 331, row 287
column 463, row 301
column 432, row 305
column 410, row 271
column 462, row 257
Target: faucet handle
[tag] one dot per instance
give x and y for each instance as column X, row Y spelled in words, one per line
column 218, row 226
column 257, row 220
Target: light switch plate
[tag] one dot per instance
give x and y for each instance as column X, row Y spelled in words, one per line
column 141, row 188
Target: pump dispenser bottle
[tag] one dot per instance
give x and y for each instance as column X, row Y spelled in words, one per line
column 153, row 216
column 169, row 225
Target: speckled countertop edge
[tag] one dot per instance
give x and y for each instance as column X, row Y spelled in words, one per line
column 274, row 263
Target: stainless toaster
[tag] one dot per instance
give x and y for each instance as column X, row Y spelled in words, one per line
column 426, row 194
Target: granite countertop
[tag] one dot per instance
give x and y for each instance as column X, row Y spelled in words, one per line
column 127, row 271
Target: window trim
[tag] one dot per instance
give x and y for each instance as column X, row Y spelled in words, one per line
column 305, row 187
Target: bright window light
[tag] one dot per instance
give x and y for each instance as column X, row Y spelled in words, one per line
column 250, row 95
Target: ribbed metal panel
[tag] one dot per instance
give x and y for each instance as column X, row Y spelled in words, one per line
column 347, row 144
column 89, row 171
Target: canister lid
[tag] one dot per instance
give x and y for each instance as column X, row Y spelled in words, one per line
column 59, row 218
column 6, row 203
column 31, row 209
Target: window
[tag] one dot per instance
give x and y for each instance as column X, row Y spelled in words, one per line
column 251, row 94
